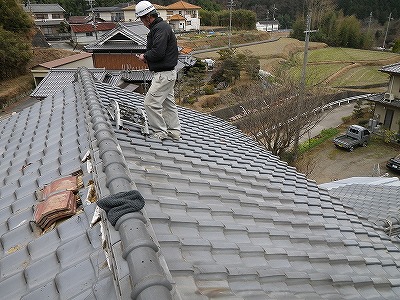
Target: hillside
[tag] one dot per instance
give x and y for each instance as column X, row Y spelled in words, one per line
column 16, row 89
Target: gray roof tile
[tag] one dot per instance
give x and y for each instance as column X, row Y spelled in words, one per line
column 229, row 218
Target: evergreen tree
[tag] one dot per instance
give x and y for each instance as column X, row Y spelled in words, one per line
column 15, row 54
column 13, row 18
column 15, row 35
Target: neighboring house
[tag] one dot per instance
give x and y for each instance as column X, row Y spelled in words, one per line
column 130, row 16
column 112, row 13
column 223, row 217
column 87, row 33
column 48, row 17
column 272, row 25
column 82, row 59
column 387, row 105
column 183, row 16
column 117, row 50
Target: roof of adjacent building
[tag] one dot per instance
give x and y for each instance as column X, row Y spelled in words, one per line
column 79, row 19
column 59, row 78
column 176, row 18
column 43, row 8
column 156, row 6
column 269, row 22
column 223, row 217
column 374, row 198
column 117, row 7
column 380, row 98
column 125, row 36
column 103, row 26
column 66, row 60
column 391, row 69
column 182, row 5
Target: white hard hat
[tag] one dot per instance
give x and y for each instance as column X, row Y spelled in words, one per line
column 143, row 8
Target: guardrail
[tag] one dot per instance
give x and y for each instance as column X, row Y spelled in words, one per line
column 341, row 101
column 329, row 105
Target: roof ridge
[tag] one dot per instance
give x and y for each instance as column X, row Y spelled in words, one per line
column 139, row 249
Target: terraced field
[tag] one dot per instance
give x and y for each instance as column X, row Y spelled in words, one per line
column 335, row 67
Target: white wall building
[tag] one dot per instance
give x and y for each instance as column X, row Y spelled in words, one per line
column 183, row 16
column 269, row 26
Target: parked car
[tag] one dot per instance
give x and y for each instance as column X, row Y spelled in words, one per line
column 394, row 164
column 356, row 135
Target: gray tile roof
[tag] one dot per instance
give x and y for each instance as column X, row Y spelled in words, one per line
column 132, row 36
column 43, row 8
column 231, row 220
column 376, row 199
column 59, row 78
column 394, row 68
column 380, row 98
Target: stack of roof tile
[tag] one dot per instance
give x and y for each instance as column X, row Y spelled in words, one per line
column 59, row 201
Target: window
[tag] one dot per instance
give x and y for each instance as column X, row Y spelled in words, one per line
column 189, row 23
column 57, row 16
column 170, row 12
column 41, row 16
column 47, row 30
column 89, row 33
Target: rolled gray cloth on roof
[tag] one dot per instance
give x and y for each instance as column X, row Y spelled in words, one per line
column 121, row 203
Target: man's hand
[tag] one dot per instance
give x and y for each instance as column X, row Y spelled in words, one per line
column 141, row 57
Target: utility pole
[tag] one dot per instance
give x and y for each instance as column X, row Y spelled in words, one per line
column 370, row 21
column 273, row 12
column 302, row 84
column 387, row 28
column 93, row 17
column 230, row 23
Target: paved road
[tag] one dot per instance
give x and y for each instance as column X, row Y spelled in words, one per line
column 331, row 119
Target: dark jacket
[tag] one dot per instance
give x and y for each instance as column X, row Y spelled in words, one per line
column 161, row 50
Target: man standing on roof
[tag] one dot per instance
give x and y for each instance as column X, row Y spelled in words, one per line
column 161, row 56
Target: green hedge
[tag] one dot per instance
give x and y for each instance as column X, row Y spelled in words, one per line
column 319, row 139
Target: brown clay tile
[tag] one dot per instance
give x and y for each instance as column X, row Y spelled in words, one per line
column 62, row 184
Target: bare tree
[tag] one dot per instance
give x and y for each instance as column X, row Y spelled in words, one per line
column 272, row 115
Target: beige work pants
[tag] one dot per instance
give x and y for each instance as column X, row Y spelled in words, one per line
column 160, row 106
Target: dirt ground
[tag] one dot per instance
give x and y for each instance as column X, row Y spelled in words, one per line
column 327, row 163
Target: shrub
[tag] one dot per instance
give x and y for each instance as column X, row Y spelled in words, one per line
column 388, row 136
column 211, row 102
column 363, row 122
column 209, row 89
column 319, row 139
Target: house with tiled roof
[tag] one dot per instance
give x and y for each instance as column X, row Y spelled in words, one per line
column 47, row 17
column 117, row 50
column 222, row 218
column 82, row 59
column 89, row 32
column 130, row 16
column 183, row 16
column 110, row 13
column 387, row 104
